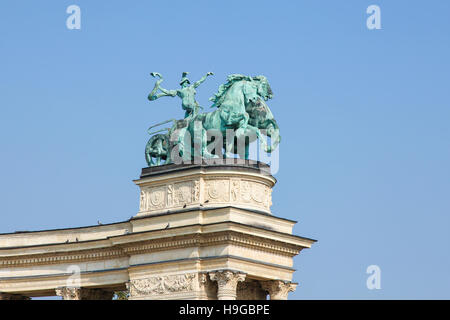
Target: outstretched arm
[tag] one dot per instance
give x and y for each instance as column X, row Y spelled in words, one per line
column 168, row 93
column 202, row 79
column 153, row 96
column 165, row 92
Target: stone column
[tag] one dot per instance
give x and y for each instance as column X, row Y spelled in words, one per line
column 76, row 293
column 277, row 289
column 227, row 281
column 12, row 296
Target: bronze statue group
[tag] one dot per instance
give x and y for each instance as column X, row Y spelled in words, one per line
column 240, row 117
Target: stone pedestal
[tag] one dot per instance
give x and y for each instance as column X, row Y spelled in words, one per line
column 242, row 184
column 203, row 231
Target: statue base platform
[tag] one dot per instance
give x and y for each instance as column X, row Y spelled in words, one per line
column 203, row 231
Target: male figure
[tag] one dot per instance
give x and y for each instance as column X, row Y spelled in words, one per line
column 186, row 93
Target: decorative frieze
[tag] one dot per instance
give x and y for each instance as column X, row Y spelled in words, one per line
column 160, row 285
column 169, row 195
column 196, row 191
column 183, row 193
column 235, row 189
column 217, row 190
column 221, row 190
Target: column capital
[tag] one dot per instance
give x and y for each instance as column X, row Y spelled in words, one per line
column 278, row 289
column 227, row 281
column 77, row 293
column 208, row 291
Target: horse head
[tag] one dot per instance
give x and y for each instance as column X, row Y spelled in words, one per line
column 263, row 87
column 256, row 88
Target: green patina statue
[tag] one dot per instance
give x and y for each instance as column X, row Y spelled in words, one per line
column 240, row 109
column 186, row 93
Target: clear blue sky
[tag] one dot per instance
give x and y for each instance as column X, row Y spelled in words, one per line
column 364, row 116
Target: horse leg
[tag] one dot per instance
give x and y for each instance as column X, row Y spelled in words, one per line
column 247, row 144
column 151, row 163
column 148, row 159
column 206, row 154
column 229, row 147
column 241, row 143
column 261, row 138
column 247, row 148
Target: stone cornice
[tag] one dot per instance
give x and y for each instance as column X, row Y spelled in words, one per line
column 62, row 257
column 209, row 239
column 147, row 246
column 155, row 233
column 229, row 167
column 40, row 238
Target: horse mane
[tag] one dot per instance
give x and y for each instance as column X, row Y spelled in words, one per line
column 217, row 99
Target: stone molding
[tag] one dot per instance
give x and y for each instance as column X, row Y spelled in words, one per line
column 278, row 289
column 228, row 237
column 66, row 257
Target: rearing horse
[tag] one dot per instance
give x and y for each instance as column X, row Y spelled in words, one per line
column 240, row 108
column 231, row 101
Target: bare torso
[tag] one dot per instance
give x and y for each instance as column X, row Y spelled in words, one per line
column 187, row 96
